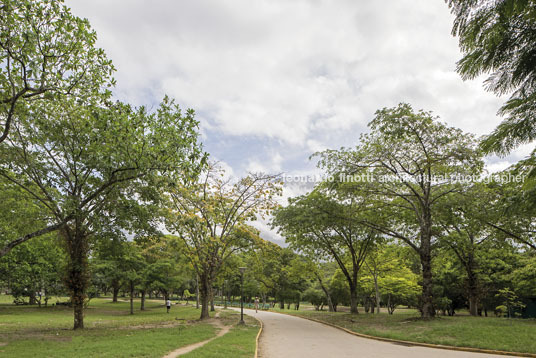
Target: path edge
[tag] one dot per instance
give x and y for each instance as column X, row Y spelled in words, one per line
column 258, row 336
column 418, row 344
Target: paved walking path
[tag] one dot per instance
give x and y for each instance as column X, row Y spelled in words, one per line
column 287, row 336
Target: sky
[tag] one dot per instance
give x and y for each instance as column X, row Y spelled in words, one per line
column 274, row 81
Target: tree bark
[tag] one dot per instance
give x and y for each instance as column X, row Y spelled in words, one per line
column 32, row 299
column 425, row 253
column 131, row 297
column 115, row 289
column 472, row 283
column 212, row 309
column 204, row 288
column 427, row 304
column 326, row 292
column 142, row 306
column 197, row 292
column 353, row 300
column 377, row 289
column 77, row 270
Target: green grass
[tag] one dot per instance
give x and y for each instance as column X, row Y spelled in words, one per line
column 239, row 342
column 29, row 331
column 516, row 335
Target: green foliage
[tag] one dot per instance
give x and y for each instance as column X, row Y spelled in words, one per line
column 510, row 303
column 212, row 215
column 315, row 297
column 498, row 38
column 280, row 272
column 46, row 53
column 34, row 270
column 405, row 168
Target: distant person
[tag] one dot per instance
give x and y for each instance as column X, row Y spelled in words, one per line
column 256, row 304
column 168, row 305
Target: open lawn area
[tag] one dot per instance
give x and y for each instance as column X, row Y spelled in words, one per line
column 515, row 335
column 29, row 331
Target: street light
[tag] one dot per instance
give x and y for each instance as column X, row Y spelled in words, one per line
column 242, row 270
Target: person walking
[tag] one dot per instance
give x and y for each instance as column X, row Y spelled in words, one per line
column 256, row 304
column 168, row 305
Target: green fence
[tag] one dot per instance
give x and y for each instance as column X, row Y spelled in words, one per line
column 246, row 305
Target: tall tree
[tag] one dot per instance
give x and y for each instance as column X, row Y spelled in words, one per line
column 406, row 166
column 45, row 53
column 499, row 38
column 465, row 233
column 212, row 217
column 86, row 162
column 328, row 228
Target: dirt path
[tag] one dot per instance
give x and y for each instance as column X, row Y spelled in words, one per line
column 287, row 336
column 187, row 349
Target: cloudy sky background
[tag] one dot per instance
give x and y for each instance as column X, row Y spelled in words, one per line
column 274, row 81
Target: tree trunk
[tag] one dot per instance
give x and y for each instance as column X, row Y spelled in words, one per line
column 115, row 289
column 353, row 300
column 377, row 289
column 131, row 297
column 197, row 292
column 326, row 292
column 472, row 283
column 427, row 304
column 204, row 288
column 282, row 304
column 142, row 305
column 212, row 309
column 77, row 270
column 223, row 296
column 32, row 299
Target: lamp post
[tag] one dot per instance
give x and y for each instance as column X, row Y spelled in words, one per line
column 242, row 270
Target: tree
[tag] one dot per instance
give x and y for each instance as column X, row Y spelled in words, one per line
column 378, row 263
column 45, row 53
column 465, row 233
column 91, row 166
column 319, row 272
column 131, row 266
column 405, row 167
column 316, row 297
column 511, row 210
column 279, row 270
column 166, row 267
column 34, row 270
column 328, row 228
column 497, row 263
column 449, row 291
column 499, row 38
column 211, row 216
column 401, row 289
column 389, row 276
column 108, row 253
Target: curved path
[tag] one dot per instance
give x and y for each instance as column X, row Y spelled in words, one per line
column 288, row 336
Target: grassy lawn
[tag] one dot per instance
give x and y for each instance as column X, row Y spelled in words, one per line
column 239, row 342
column 516, row 335
column 29, row 331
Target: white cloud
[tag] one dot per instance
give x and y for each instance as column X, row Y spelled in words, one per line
column 274, row 80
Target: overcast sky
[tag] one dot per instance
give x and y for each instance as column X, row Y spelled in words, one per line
column 274, row 81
